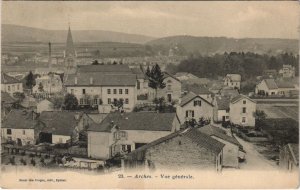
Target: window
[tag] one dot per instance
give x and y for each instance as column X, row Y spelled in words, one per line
column 138, row 85
column 197, row 103
column 96, row 101
column 190, row 113
column 126, row 91
column 109, row 101
column 126, row 148
column 13, row 88
column 18, row 87
column 108, row 91
column 244, row 101
column 115, row 100
column 243, row 119
column 8, row 131
column 115, row 91
column 83, row 91
column 23, row 132
column 120, row 91
column 72, row 91
column 8, row 88
column 169, row 81
column 81, row 101
column 169, row 87
column 227, row 117
column 244, row 110
column 126, row 101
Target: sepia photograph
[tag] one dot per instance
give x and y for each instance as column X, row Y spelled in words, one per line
column 149, row 94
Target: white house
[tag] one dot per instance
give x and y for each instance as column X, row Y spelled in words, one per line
column 50, row 84
column 20, row 126
column 271, row 87
column 194, row 106
column 221, row 108
column 232, row 149
column 242, row 110
column 287, row 71
column 172, row 91
column 10, row 84
column 200, row 90
column 122, row 133
column 233, row 80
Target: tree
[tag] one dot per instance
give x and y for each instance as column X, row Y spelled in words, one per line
column 30, row 81
column 156, row 79
column 148, row 72
column 95, row 62
column 58, row 102
column 41, row 87
column 70, row 102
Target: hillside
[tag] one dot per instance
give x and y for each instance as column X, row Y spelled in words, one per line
column 209, row 45
column 14, row 33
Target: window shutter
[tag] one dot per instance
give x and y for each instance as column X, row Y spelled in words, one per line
column 199, row 102
column 186, row 114
column 195, row 103
column 193, row 114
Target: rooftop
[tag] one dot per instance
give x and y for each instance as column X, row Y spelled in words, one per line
column 193, row 134
column 294, row 148
column 6, row 79
column 20, row 119
column 103, row 68
column 223, row 102
column 148, row 121
column 191, row 96
column 6, row 98
column 234, row 77
column 240, row 97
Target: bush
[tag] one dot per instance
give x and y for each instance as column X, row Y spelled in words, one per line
column 32, row 162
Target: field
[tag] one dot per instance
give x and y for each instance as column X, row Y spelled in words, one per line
column 280, row 110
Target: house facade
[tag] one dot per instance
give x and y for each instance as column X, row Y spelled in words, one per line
column 50, row 84
column 193, row 106
column 19, row 127
column 233, row 80
column 10, row 84
column 188, row 149
column 221, row 109
column 172, row 91
column 242, row 110
column 270, row 87
column 287, row 71
column 123, row 133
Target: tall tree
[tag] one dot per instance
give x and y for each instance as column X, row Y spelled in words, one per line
column 156, row 79
column 70, row 102
column 30, row 81
column 41, row 87
column 148, row 72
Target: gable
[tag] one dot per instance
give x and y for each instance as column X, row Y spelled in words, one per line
column 191, row 101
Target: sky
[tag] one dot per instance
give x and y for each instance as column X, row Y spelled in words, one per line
column 267, row 19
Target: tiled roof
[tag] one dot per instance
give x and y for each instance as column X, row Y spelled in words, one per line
column 104, row 68
column 271, row 84
column 169, row 75
column 191, row 96
column 139, row 73
column 98, row 79
column 234, row 77
column 199, row 90
column 20, row 119
column 194, row 135
column 148, row 121
column 218, row 132
column 282, row 84
column 59, row 122
column 223, row 102
column 229, row 91
column 239, row 97
column 6, row 98
column 294, row 148
column 6, row 79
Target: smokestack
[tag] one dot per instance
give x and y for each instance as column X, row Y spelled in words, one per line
column 49, row 60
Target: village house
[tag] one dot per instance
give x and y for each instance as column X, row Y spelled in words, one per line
column 232, row 150
column 172, row 91
column 122, row 133
column 242, row 111
column 142, row 81
column 193, row 106
column 62, row 126
column 289, row 157
column 188, row 149
column 48, row 84
column 233, row 80
column 20, row 127
column 287, row 71
column 10, row 84
column 269, row 87
column 221, row 109
column 229, row 92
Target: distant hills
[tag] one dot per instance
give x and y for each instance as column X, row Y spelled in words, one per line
column 15, row 33
column 211, row 45
column 191, row 44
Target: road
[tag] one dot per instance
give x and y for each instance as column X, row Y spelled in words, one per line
column 255, row 160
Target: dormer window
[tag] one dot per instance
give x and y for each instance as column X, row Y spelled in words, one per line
column 197, row 103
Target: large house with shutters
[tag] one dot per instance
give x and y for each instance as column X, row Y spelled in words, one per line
column 122, row 133
column 242, row 111
column 193, row 106
column 104, row 85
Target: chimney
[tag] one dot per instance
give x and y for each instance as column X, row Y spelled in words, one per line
column 75, row 80
column 91, row 80
column 50, row 60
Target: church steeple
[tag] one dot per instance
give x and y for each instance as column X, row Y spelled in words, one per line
column 70, row 50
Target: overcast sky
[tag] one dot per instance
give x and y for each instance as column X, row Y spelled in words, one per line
column 158, row 19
